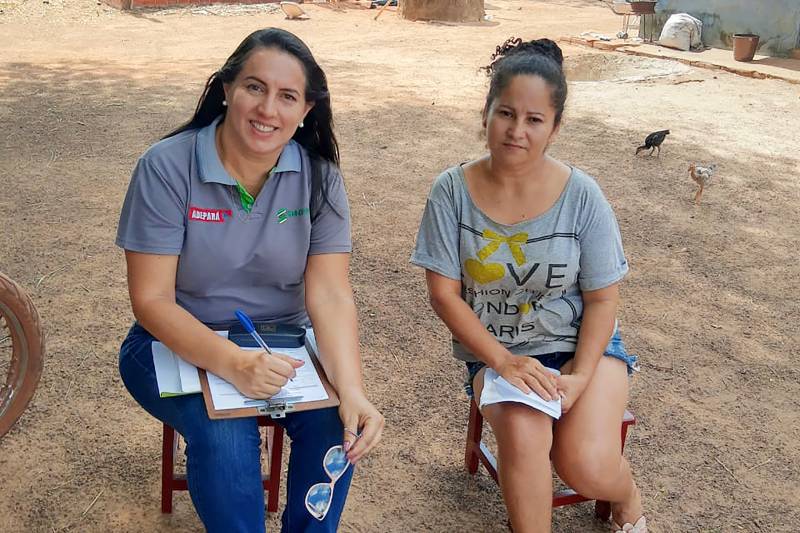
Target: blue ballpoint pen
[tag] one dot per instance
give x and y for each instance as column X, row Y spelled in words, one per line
column 251, row 329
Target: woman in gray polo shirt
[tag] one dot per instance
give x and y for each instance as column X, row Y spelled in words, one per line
column 523, row 258
column 243, row 207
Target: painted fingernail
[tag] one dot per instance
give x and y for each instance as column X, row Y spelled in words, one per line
column 347, row 445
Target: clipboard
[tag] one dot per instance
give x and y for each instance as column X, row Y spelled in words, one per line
column 273, row 409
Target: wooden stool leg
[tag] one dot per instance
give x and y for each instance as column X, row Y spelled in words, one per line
column 624, row 433
column 474, row 433
column 167, row 468
column 170, row 482
column 275, row 451
column 602, row 510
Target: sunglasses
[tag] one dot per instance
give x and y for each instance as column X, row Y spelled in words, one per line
column 320, row 495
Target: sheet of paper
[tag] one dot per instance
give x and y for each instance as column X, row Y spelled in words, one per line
column 175, row 376
column 496, row 389
column 167, row 373
column 190, row 378
column 305, row 387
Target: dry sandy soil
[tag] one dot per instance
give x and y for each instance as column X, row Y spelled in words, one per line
column 710, row 304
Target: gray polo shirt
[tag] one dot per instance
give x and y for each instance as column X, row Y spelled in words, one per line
column 181, row 201
column 523, row 281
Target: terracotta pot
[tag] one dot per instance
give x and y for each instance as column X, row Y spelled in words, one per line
column 744, row 46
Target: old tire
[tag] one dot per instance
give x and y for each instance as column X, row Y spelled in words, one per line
column 19, row 323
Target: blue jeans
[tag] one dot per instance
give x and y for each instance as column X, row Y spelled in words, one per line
column 223, row 457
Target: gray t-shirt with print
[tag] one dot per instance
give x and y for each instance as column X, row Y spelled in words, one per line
column 524, row 281
column 181, row 201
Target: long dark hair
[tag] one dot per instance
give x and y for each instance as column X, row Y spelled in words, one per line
column 316, row 136
column 540, row 57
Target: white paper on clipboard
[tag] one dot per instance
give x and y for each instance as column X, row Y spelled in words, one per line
column 305, row 387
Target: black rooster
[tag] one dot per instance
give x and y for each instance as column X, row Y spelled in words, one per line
column 653, row 141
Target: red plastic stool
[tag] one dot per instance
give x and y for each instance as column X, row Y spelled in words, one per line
column 170, row 481
column 477, row 453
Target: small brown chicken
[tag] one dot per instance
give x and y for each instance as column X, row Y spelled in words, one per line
column 701, row 176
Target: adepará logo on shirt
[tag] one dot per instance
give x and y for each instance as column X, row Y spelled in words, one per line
column 285, row 214
column 203, row 214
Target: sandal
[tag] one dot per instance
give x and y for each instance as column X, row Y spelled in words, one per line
column 639, row 527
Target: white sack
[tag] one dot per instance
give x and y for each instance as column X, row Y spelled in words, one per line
column 682, row 31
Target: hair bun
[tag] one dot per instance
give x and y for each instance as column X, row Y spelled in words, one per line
column 547, row 47
column 514, row 45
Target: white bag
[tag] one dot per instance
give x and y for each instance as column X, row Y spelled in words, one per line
column 682, row 31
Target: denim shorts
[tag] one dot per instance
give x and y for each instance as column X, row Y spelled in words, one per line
column 556, row 360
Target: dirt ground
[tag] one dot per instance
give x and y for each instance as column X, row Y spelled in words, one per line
column 710, row 304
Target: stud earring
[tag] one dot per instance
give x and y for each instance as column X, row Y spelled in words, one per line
column 301, row 124
column 224, row 102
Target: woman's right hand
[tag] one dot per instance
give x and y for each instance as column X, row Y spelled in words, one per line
column 259, row 375
column 527, row 373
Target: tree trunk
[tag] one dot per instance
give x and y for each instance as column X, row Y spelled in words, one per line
column 446, row 10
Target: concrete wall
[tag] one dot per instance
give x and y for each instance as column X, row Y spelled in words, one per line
column 777, row 22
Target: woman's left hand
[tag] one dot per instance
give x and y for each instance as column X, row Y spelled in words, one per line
column 571, row 386
column 359, row 416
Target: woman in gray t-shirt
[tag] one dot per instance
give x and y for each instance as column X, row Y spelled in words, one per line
column 243, row 208
column 523, row 259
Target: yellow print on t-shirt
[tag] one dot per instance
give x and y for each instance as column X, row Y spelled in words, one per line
column 484, row 273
